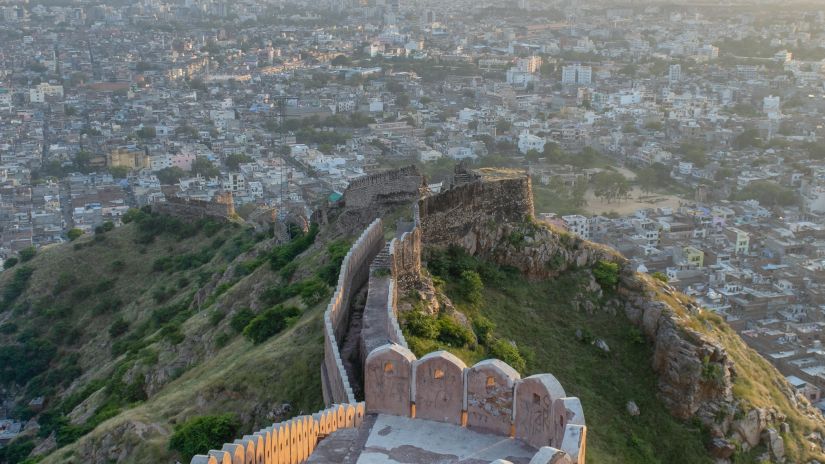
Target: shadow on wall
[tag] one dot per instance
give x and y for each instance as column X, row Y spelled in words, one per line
column 490, row 397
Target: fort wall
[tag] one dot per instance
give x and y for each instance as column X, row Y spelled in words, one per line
column 490, row 397
column 354, row 273
column 292, row 441
column 461, row 212
column 221, row 207
column 396, row 186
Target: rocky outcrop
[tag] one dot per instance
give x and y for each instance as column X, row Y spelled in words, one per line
column 118, row 444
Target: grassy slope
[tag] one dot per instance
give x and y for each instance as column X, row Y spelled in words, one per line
column 240, row 377
column 539, row 318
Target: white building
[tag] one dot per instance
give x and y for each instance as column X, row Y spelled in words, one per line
column 578, row 225
column 771, row 106
column 674, row 73
column 528, row 141
column 576, row 74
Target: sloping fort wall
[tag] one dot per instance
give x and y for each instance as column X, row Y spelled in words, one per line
column 354, row 273
column 292, row 441
column 221, row 207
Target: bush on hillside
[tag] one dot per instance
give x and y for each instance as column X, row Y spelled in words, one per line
column 509, row 353
column 606, row 274
column 241, row 318
column 471, row 286
column 269, row 323
column 452, row 333
column 419, row 324
column 200, row 434
column 9, row 263
column 26, row 254
column 74, row 234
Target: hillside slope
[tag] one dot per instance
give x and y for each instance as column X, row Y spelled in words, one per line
column 129, row 332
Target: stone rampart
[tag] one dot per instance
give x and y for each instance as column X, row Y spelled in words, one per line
column 396, row 186
column 354, row 273
column 292, row 441
column 221, row 207
column 462, row 213
column 490, row 397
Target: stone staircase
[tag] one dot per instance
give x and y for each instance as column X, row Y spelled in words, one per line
column 382, row 259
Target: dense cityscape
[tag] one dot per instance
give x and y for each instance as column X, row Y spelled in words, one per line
column 689, row 137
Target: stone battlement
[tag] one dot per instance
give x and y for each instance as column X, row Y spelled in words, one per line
column 222, row 207
column 396, row 186
column 490, row 397
column 292, row 441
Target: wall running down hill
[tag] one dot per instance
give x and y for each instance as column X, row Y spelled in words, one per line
column 354, row 273
column 489, row 397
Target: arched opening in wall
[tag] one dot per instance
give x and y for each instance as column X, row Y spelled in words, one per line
column 491, row 383
column 438, row 374
column 389, row 368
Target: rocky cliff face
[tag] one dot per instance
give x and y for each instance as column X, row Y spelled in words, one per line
column 696, row 373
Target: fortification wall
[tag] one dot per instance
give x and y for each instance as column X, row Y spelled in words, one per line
column 292, row 441
column 459, row 214
column 490, row 397
column 222, row 207
column 398, row 185
column 354, row 273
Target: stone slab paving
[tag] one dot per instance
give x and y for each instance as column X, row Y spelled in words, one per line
column 400, row 440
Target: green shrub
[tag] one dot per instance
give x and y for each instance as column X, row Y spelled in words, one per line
column 16, row 451
column 312, row 291
column 471, row 286
column 660, row 276
column 74, row 234
column 200, row 434
column 269, row 323
column 509, row 353
column 241, row 319
column 419, row 324
column 606, row 274
column 452, row 333
column 27, row 254
column 9, row 263
column 215, row 317
column 118, row 328
column 222, row 339
column 483, row 328
column 18, row 284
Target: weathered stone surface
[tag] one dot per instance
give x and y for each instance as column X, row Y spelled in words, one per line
column 222, row 457
column 548, row 455
column 566, row 411
column 749, row 428
column 574, row 442
column 490, row 385
column 439, row 387
column 775, row 443
column 533, row 409
column 632, row 408
column 388, row 380
column 721, row 449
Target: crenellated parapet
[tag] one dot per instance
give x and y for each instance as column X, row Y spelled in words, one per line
column 292, row 441
column 490, row 397
column 354, row 273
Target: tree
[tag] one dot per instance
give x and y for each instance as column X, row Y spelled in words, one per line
column 169, row 176
column 610, row 186
column 200, row 434
column 693, row 153
column 9, row 263
column 402, row 100
column 119, row 172
column 768, row 194
column 27, row 254
column 205, row 168
column 74, row 234
column 234, row 161
column 146, row 133
column 503, row 125
column 747, row 139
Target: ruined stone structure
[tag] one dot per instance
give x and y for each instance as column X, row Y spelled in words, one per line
column 488, row 399
column 461, row 213
column 401, row 186
column 221, row 207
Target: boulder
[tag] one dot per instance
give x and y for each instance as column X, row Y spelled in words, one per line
column 775, row 443
column 721, row 449
column 633, row 408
